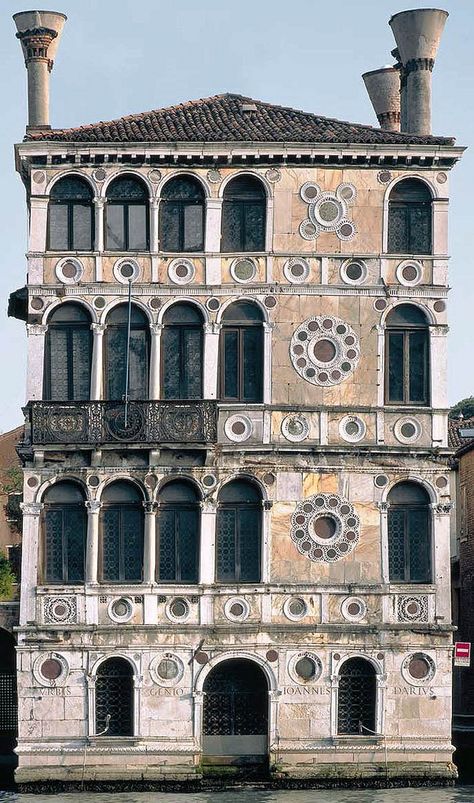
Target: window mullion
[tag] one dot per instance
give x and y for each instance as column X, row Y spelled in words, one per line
column 406, row 544
column 177, row 529
column 125, row 226
column 406, row 367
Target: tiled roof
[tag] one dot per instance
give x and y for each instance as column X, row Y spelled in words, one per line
column 225, row 118
column 454, row 425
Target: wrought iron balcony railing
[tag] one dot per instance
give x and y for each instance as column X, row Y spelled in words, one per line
column 97, row 422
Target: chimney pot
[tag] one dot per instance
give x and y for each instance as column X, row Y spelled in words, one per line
column 383, row 87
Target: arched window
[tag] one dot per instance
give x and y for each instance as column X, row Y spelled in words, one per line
column 243, row 215
column 241, row 353
column 68, row 354
column 182, row 215
column 70, row 216
column 114, row 698
column 239, row 525
column 178, row 533
column 182, row 352
column 409, row 534
column 116, row 353
column 64, row 534
column 122, row 519
column 409, row 218
column 407, row 361
column 126, row 215
column 356, row 698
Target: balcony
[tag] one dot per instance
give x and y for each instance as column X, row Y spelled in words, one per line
column 100, row 422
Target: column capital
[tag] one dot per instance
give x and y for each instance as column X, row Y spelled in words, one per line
column 442, row 508
column 267, row 504
column 36, row 328
column 150, row 507
column 268, row 326
column 98, row 328
column 208, row 506
column 383, row 506
column 156, row 328
column 99, row 202
column 31, row 508
column 93, row 505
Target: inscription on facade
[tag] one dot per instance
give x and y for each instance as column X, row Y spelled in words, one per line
column 305, row 691
column 420, row 691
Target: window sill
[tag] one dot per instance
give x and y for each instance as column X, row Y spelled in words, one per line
column 357, row 739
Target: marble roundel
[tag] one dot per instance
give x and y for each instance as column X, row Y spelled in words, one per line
column 324, row 350
column 325, row 527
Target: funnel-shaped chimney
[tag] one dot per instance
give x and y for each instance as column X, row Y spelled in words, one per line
column 383, row 87
column 39, row 33
column 417, row 34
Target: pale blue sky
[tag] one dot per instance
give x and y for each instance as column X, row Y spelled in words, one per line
column 118, row 57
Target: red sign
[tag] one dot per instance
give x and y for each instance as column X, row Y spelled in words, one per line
column 462, row 653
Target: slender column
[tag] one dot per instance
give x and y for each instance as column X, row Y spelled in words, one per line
column 92, row 547
column 267, row 363
column 441, row 560
column 383, row 508
column 35, row 361
column 266, row 507
column 207, row 556
column 438, row 357
column 99, row 204
column 155, row 352
column 154, row 206
column 29, row 561
column 149, row 550
column 98, row 330
column 211, row 359
column 212, row 242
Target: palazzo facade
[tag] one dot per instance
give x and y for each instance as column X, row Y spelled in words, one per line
column 236, row 486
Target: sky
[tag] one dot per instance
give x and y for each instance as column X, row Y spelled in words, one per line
column 119, row 57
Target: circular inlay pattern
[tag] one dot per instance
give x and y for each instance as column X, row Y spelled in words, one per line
column 51, row 669
column 126, row 270
column 273, row 175
column 155, row 303
column 441, row 178
column 166, row 670
column 418, row 668
column 121, row 610
column 243, row 270
column 201, row 658
column 325, row 527
column 269, row 479
column 99, row 302
column 441, row 482
column 295, row 428
column 238, row 428
column 439, row 306
column 99, row 174
column 308, row 230
column 69, row 270
column 237, row 609
column 37, row 303
column 209, row 480
column 407, row 430
column 272, row 656
column 381, row 480
column 352, row 429
column 354, row 271
column 151, row 481
column 32, row 482
column 327, row 211
column 93, row 480
column 309, row 192
column 346, row 192
column 154, row 175
column 214, row 176
column 177, row 609
column 380, row 304
column 324, row 350
column 39, row 176
column 353, row 609
column 409, row 273
column 384, row 176
column 60, row 610
column 296, row 270
column 295, row 608
column 305, row 667
column 213, row 304
column 412, row 609
column 181, row 271
column 270, row 302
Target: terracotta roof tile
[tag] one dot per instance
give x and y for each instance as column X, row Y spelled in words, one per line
column 222, row 119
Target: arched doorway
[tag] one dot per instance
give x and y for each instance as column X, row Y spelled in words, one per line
column 8, row 708
column 235, row 717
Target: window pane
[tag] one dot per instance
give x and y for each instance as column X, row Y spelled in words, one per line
column 192, row 364
column 171, row 362
column 249, row 545
column 232, row 233
column 138, row 369
column 396, row 545
column 137, row 239
column 254, row 227
column 395, row 366
column 58, row 365
column 132, row 544
column 110, row 544
column 82, row 227
column 114, row 229
column 419, row 540
column 253, row 364
column 418, row 366
column 398, row 233
column 58, row 228
column 167, row 562
column 193, row 228
column 225, row 552
column 169, row 226
column 420, row 228
column 188, row 545
column 231, row 364
column 53, row 524
column 115, row 367
column 75, row 535
column 81, row 363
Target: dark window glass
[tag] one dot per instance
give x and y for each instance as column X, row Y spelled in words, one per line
column 409, row 218
column 241, row 353
column 126, row 216
column 68, row 354
column 407, row 357
column 182, row 215
column 409, row 534
column 64, row 534
column 356, row 698
column 114, row 698
column 182, row 353
column 122, row 519
column 243, row 216
column 70, row 216
column 238, row 542
column 116, row 353
column 178, row 533
column 235, row 700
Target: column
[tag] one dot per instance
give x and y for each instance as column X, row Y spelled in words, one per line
column 207, row 556
column 211, row 359
column 155, row 351
column 441, row 568
column 98, row 330
column 438, row 357
column 149, row 551
column 267, row 363
column 92, row 547
column 29, row 560
column 35, row 361
column 154, row 207
column 99, row 204
column 383, row 508
column 266, row 519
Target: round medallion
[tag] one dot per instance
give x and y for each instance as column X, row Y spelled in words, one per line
column 181, row 271
column 353, row 609
column 324, row 350
column 407, row 430
column 237, row 609
column 295, row 608
column 37, row 303
column 126, row 270
column 166, row 670
column 295, row 428
column 243, row 270
column 51, row 669
column 177, row 609
column 418, row 669
column 213, row 304
column 352, row 429
column 39, row 176
column 238, row 428
column 384, row 176
column 354, row 271
column 380, row 304
column 380, row 480
column 99, row 302
column 154, row 175
column 409, row 273
column 325, row 527
column 69, row 270
column 296, row 270
column 121, row 609
column 214, row 176
column 439, row 306
column 273, row 175
column 305, row 667
column 99, row 174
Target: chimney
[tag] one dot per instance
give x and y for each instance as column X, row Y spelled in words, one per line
column 417, row 34
column 39, row 33
column 383, row 87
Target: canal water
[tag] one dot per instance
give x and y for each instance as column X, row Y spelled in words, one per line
column 463, row 794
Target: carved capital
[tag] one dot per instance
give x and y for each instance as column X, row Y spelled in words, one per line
column 155, row 329
column 150, row 507
column 442, row 508
column 31, row 508
column 98, row 328
column 93, row 505
column 208, row 506
column 383, row 506
column 35, row 43
column 267, row 504
column 267, row 326
column 36, row 329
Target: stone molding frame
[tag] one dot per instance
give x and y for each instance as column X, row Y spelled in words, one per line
column 95, row 660
column 337, row 661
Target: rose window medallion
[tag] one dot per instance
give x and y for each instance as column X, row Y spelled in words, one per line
column 325, row 527
column 324, row 350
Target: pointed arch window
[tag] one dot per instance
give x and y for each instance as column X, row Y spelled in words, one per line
column 178, row 533
column 64, row 534
column 122, row 526
column 356, row 698
column 126, row 218
column 114, row 698
column 70, row 216
column 182, row 352
column 116, row 353
column 409, row 534
column 410, row 218
column 241, row 353
column 239, row 533
column 407, row 375
column 68, row 354
column 182, row 215
column 243, row 216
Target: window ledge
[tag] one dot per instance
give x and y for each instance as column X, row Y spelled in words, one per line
column 357, row 739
